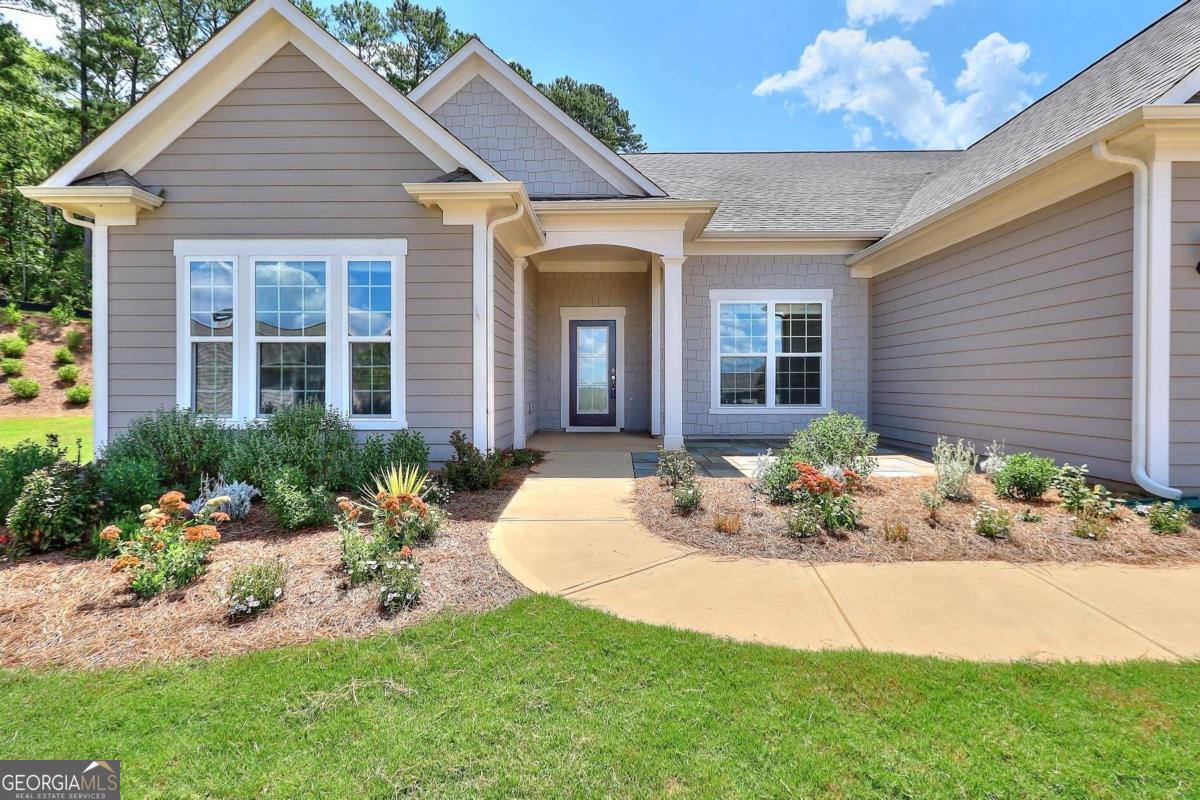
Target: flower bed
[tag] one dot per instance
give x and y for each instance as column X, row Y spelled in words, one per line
column 894, row 527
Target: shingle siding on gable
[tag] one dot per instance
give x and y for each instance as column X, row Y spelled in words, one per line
column 848, row 349
column 505, row 137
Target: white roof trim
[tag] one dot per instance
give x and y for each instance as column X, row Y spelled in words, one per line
column 476, row 59
column 1185, row 89
column 232, row 55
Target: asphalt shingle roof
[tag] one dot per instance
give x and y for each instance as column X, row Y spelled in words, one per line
column 853, row 192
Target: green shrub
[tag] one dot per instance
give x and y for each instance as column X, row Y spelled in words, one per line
column 63, row 356
column 687, row 497
column 75, row 340
column 399, row 582
column 314, row 441
column 13, row 347
column 470, row 470
column 292, row 505
column 991, row 522
column 1024, row 476
column 24, row 388
column 254, row 588
column 376, row 454
column 69, row 373
column 933, row 503
column 19, row 462
column 1169, row 518
column 57, row 507
column 361, row 556
column 1078, row 497
column 128, row 483
column 186, row 444
column 106, row 542
column 11, row 314
column 675, row 467
column 27, row 332
column 526, row 457
column 79, row 395
column 835, row 440
column 62, row 314
column 954, row 464
column 804, row 521
column 12, row 367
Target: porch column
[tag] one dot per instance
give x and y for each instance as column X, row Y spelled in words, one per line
column 673, row 356
column 656, row 354
column 519, row 352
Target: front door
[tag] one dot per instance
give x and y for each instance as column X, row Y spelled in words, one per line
column 593, row 377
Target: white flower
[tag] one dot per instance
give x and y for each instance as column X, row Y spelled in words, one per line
column 278, row 591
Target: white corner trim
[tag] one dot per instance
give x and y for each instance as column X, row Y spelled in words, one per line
column 568, row 313
column 476, row 59
column 769, row 297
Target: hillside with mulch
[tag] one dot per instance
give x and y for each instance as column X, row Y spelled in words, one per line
column 764, row 534
column 40, row 366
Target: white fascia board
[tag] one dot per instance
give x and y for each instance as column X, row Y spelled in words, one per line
column 1185, row 89
column 224, row 62
column 477, row 59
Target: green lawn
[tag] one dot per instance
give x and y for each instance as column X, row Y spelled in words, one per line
column 546, row 699
column 13, row 430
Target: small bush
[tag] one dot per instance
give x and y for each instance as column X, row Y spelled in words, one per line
column 994, row 458
column 233, row 498
column 360, row 556
column 839, row 512
column 127, row 483
column 1024, row 476
column 79, row 395
column 804, row 521
column 525, row 457
column 12, row 367
column 404, row 447
column 470, row 470
column 933, row 503
column 254, row 588
column 954, row 464
column 63, row 356
column 399, row 582
column 28, row 332
column 186, row 444
column 727, row 522
column 75, row 340
column 1028, row 515
column 1081, row 499
column 24, row 388
column 170, row 548
column 19, row 462
column 687, row 497
column 1169, row 518
column 675, row 467
column 895, row 530
column 291, row 505
column 991, row 522
column 62, row 314
column 1089, row 524
column 57, row 507
column 835, row 440
column 13, row 347
column 11, row 315
column 68, row 373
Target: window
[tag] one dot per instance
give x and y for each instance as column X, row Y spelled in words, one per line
column 770, row 350
column 297, row 321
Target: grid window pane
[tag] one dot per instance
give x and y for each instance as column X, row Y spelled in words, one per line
column 212, row 377
column 798, row 327
column 370, row 379
column 743, row 328
column 370, row 298
column 211, row 298
column 798, row 380
column 290, row 298
column 743, row 381
column 290, row 373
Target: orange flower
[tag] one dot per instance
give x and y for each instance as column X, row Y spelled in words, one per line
column 156, row 521
column 813, row 481
column 219, row 516
column 111, row 533
column 170, row 500
column 405, row 551
column 353, row 513
column 346, row 506
column 125, row 562
column 198, row 533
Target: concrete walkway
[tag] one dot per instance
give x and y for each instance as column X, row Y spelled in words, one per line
column 570, row 531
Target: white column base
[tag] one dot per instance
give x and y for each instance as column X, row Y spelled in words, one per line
column 673, row 442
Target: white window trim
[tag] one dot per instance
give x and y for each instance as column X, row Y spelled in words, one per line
column 336, row 252
column 569, row 313
column 768, row 296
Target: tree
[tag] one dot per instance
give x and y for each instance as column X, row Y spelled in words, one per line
column 426, row 40
column 363, row 28
column 598, row 110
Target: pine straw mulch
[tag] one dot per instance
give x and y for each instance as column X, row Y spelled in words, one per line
column 40, row 366
column 65, row 611
column 764, row 534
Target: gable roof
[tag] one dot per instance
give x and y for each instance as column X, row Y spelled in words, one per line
column 475, row 59
column 857, row 193
column 223, row 62
column 1138, row 72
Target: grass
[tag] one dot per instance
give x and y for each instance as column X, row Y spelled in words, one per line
column 15, row 429
column 543, row 698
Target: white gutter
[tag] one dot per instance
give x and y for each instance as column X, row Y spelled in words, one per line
column 1142, row 276
column 490, row 325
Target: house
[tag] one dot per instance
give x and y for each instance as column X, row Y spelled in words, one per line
column 274, row 222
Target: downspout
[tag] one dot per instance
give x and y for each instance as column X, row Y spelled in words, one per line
column 490, row 325
column 99, row 258
column 1141, row 318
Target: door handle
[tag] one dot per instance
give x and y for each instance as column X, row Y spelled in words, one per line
column 612, row 382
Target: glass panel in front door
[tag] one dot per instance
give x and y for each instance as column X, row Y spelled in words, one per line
column 591, row 369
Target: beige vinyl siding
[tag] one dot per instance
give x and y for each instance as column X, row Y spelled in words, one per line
column 1021, row 334
column 290, row 153
column 531, row 286
column 503, row 349
column 1185, row 328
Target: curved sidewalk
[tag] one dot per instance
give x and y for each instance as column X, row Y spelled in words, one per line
column 570, row 531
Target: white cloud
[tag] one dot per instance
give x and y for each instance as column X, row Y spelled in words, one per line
column 41, row 29
column 885, row 80
column 868, row 12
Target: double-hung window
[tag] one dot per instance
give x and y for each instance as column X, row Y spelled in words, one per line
column 272, row 323
column 770, row 350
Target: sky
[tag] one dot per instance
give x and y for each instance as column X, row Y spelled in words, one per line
column 805, row 74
